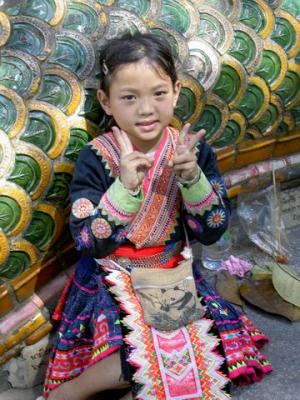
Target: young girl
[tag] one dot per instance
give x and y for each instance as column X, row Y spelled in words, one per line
column 139, row 193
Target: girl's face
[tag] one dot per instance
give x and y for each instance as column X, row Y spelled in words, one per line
column 141, row 99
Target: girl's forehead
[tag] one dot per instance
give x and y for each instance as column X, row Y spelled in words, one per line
column 141, row 70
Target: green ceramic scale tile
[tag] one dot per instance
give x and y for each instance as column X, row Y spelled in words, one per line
column 138, row 7
column 296, row 114
column 213, row 119
column 121, row 21
column 274, row 64
column 62, row 89
column 31, row 36
column 231, row 9
column 292, row 6
column 26, row 173
column 5, row 28
column 297, row 58
column 91, row 109
column 232, row 83
column 246, row 47
column 16, row 263
column 46, row 10
column 58, row 192
column 10, row 213
column 203, row 63
column 176, row 40
column 85, row 17
column 6, row 155
column 19, row 72
column 289, row 91
column 256, row 99
column 215, row 29
column 47, row 128
column 40, row 130
column 287, row 32
column 74, row 52
column 271, row 119
column 40, row 230
column 257, row 15
column 32, row 169
column 106, row 2
column 11, row 7
column 13, row 112
column 234, row 131
column 190, row 102
column 180, row 15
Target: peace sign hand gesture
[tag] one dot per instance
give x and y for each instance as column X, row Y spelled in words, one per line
column 184, row 162
column 133, row 164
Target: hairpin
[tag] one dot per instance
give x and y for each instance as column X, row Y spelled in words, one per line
column 105, row 68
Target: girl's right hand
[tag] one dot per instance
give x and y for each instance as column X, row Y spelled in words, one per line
column 134, row 164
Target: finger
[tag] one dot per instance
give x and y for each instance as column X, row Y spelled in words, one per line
column 127, row 141
column 184, row 157
column 185, row 167
column 195, row 137
column 119, row 138
column 183, row 133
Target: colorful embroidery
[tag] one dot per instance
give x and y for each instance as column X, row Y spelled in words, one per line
column 84, row 239
column 82, row 208
column 101, row 228
column 194, row 224
column 216, row 218
column 177, row 365
column 219, row 186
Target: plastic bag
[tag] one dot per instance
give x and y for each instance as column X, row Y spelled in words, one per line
column 260, row 216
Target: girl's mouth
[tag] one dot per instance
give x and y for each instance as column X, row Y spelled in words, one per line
column 147, row 125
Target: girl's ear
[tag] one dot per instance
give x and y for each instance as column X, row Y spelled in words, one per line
column 104, row 101
column 177, row 88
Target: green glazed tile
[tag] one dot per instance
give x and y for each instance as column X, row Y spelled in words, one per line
column 78, row 139
column 230, row 135
column 267, row 119
column 91, row 109
column 252, row 16
column 284, row 34
column 58, row 192
column 40, row 230
column 251, row 102
column 8, row 114
column 42, row 9
column 55, row 90
column 270, row 66
column 186, row 104
column 243, row 47
column 289, row 88
column 228, row 84
column 296, row 114
column 31, row 36
column 19, row 72
column 174, row 13
column 210, row 120
column 16, row 263
column 10, row 213
column 26, row 173
column 292, row 6
column 74, row 52
column 138, row 7
column 81, row 18
column 40, row 130
column 11, row 7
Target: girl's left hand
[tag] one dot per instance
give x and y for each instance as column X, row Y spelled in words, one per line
column 184, row 162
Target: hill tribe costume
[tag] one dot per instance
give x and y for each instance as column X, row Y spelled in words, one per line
column 124, row 236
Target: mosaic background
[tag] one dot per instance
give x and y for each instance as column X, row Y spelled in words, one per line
column 239, row 61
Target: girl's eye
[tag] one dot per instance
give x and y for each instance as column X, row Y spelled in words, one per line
column 160, row 93
column 128, row 97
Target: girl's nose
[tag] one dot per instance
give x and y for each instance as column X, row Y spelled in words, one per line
column 145, row 107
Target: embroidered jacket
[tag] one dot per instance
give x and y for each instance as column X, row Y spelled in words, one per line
column 104, row 215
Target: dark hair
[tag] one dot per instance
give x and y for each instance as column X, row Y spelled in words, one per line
column 131, row 48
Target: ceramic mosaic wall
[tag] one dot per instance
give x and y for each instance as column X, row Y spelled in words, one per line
column 238, row 61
